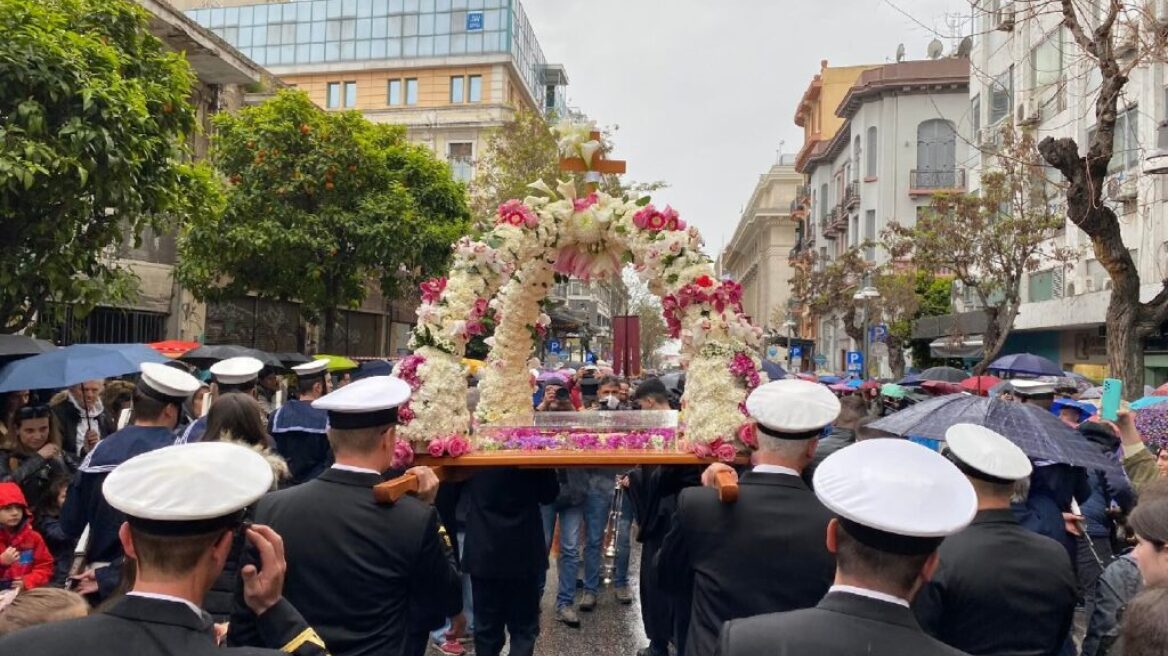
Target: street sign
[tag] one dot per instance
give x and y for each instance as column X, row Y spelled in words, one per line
column 772, row 352
column 553, row 345
column 878, row 333
column 855, row 361
column 796, row 352
column 820, row 359
column 590, row 358
column 474, row 21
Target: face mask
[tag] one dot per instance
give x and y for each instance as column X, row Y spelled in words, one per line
column 612, row 402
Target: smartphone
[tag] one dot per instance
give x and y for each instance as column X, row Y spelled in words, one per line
column 1112, row 395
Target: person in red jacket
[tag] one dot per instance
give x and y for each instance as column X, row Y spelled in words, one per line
column 25, row 561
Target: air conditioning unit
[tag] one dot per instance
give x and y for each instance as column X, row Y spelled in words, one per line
column 1006, row 18
column 1030, row 112
column 1161, row 13
column 1126, row 37
column 989, row 137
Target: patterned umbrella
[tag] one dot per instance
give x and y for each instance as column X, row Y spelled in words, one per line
column 1153, row 424
column 1037, row 432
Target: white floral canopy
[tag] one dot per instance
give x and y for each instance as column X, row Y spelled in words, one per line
column 503, row 275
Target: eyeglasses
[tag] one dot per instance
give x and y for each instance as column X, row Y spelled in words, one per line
column 33, row 412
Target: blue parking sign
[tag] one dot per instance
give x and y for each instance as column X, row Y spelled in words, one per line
column 553, row 345
column 796, row 352
column 855, row 361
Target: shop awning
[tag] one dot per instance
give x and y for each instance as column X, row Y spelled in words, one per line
column 969, row 348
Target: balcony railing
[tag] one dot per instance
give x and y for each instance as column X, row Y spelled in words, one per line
column 930, row 182
column 851, row 195
column 803, row 193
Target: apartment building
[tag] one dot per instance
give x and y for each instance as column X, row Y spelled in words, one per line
column 1028, row 72
column 448, row 70
column 896, row 146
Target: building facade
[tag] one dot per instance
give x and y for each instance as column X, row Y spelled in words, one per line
column 897, row 145
column 757, row 255
column 1029, row 74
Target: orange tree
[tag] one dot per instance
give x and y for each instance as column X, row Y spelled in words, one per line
column 319, row 205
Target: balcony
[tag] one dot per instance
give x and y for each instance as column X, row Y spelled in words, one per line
column 925, row 183
column 798, row 210
column 852, row 195
column 803, row 194
column 839, row 219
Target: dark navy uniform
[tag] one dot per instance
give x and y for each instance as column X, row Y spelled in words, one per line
column 301, row 435
column 765, row 553
column 999, row 589
column 145, row 626
column 843, row 624
column 194, row 431
column 355, row 568
column 86, row 505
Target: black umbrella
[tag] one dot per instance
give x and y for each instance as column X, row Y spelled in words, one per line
column 208, row 354
column 19, row 346
column 290, row 360
column 1036, row 431
column 773, row 370
column 943, row 374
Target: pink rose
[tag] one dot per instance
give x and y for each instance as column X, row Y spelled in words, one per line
column 403, row 454
column 702, row 450
column 457, row 446
column 726, row 452
column 748, row 434
column 515, row 213
column 656, row 221
column 405, row 414
column 436, row 447
column 581, row 204
column 474, row 328
column 432, row 289
column 480, row 308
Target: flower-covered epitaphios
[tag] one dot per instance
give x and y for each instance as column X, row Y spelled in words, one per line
column 502, row 276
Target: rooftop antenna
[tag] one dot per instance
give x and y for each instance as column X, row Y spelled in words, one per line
column 900, row 53
column 779, row 156
column 936, row 48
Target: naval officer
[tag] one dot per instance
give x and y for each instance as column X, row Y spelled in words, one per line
column 999, row 588
column 238, row 374
column 894, row 502
column 300, row 430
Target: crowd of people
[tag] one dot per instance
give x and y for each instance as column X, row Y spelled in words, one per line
column 211, row 516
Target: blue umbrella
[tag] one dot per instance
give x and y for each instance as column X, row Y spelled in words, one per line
column 76, row 364
column 1036, row 431
column 854, row 383
column 1025, row 363
column 1148, row 401
column 911, row 379
column 775, row 372
column 829, row 380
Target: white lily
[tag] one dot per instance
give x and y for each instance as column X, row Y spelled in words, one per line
column 587, row 150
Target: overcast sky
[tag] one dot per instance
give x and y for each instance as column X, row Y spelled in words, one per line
column 704, row 91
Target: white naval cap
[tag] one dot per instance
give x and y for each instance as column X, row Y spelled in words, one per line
column 894, row 495
column 365, row 403
column 236, row 371
column 188, row 489
column 986, row 454
column 165, row 383
column 310, row 369
column 792, row 409
column 1027, row 387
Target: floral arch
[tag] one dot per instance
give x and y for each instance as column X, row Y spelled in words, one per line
column 502, row 276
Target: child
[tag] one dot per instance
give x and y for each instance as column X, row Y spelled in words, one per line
column 47, row 522
column 25, row 561
column 41, row 606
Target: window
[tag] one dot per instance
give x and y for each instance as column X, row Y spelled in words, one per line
column 1040, row 286
column 1046, row 61
column 333, row 95
column 411, row 91
column 870, row 235
column 1002, row 96
column 350, row 94
column 975, row 116
column 936, row 155
column 857, row 149
column 460, row 157
column 1126, row 149
column 870, row 167
column 457, row 94
column 475, row 90
column 394, row 93
column 1162, row 125
column 824, row 210
column 854, row 232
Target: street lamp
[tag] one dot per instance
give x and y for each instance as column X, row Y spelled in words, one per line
column 790, row 326
column 866, row 295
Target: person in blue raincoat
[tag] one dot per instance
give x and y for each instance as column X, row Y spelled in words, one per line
column 300, row 430
column 158, row 401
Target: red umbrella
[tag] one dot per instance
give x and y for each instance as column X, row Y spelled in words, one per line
column 1161, row 390
column 811, row 377
column 940, row 387
column 980, row 385
column 870, row 385
column 172, row 348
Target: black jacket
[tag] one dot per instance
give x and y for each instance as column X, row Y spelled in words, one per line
column 999, row 589
column 34, row 474
column 355, row 567
column 842, row 624
column 837, row 439
column 765, row 553
column 504, row 529
column 152, row 627
column 653, row 490
column 68, row 416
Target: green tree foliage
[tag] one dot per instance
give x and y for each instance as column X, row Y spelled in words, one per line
column 989, row 241
column 93, row 120
column 321, row 204
column 517, row 154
